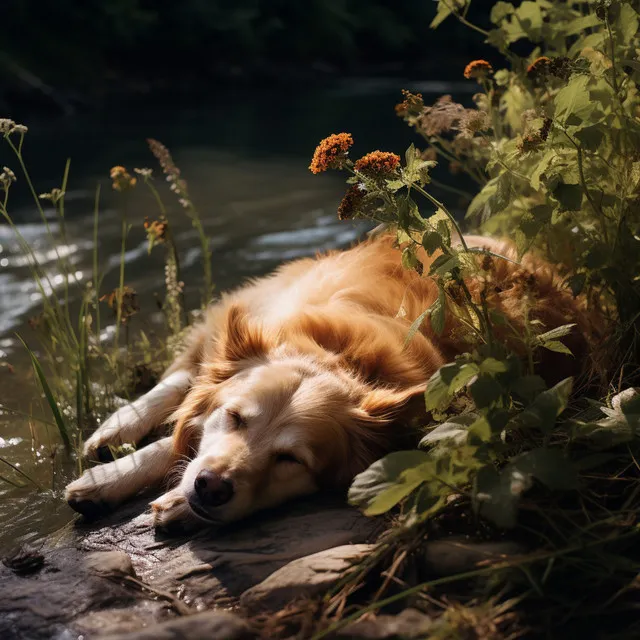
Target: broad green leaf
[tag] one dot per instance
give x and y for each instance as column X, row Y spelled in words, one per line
column 445, row 9
column 569, row 196
column 415, row 326
column 500, row 11
column 437, row 396
column 543, row 164
column 557, row 347
column 573, row 102
column 528, row 387
column 545, row 409
column 466, row 373
column 493, row 366
column 387, row 481
column 431, row 241
column 454, row 429
column 485, row 391
column 493, row 498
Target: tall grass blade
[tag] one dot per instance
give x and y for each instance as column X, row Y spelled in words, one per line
column 57, row 416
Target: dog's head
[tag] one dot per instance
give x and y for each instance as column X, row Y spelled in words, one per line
column 271, row 419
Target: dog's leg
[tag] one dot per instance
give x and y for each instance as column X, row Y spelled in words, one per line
column 106, row 485
column 134, row 421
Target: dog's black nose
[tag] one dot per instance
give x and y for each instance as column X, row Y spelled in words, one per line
column 212, row 490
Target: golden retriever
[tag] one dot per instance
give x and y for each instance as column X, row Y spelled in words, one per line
column 298, row 381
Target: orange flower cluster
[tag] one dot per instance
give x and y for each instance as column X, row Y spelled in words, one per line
column 542, row 66
column 122, row 179
column 351, row 202
column 478, row 69
column 156, row 229
column 378, row 164
column 331, row 153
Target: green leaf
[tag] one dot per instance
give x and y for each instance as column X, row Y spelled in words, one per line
column 573, row 102
column 415, row 326
column 557, row 347
column 590, row 137
column 569, row 196
column 437, row 396
column 493, row 498
column 431, row 241
column 545, row 409
column 528, row 387
column 540, row 168
column 558, row 332
column 387, row 481
column 485, row 391
column 445, row 9
column 493, row 366
column 549, row 466
column 500, row 11
column 454, row 429
column 576, row 283
column 53, row 405
column 409, row 258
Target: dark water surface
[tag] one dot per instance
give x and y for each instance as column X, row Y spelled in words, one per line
column 245, row 157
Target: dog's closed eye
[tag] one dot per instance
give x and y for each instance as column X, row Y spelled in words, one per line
column 284, row 457
column 236, row 420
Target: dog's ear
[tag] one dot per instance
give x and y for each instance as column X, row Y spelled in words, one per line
column 381, row 405
column 241, row 338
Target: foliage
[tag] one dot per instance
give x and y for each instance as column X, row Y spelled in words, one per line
column 552, row 145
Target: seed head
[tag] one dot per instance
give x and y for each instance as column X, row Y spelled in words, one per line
column 331, row 153
column 128, row 302
column 411, row 106
column 156, row 230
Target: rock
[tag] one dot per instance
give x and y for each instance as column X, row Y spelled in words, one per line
column 78, row 591
column 456, row 555
column 306, row 577
column 209, row 625
column 110, row 564
column 407, row 625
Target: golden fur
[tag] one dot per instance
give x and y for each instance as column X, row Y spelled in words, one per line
column 301, row 379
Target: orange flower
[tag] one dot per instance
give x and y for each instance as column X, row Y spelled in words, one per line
column 122, row 179
column 351, row 202
column 377, row 164
column 478, row 69
column 331, row 153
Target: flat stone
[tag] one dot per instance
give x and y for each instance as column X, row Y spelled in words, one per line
column 110, row 563
column 303, row 578
column 209, row 625
column 407, row 625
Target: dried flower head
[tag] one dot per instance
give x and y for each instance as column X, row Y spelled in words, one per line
column 473, row 121
column 7, row 177
column 144, row 172
column 478, row 69
column 440, row 117
column 378, row 164
column 529, row 142
column 455, row 167
column 6, row 125
column 19, row 128
column 331, row 153
column 122, row 179
column 54, row 195
column 539, row 67
column 351, row 202
column 411, row 106
column 128, row 302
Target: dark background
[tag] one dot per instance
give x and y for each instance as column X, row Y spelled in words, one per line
column 76, row 54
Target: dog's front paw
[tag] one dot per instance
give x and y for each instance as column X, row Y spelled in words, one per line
column 125, row 425
column 84, row 496
column 172, row 515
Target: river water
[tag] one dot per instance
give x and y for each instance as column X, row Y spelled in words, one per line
column 245, row 157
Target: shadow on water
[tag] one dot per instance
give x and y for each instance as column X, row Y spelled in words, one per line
column 245, row 158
